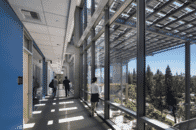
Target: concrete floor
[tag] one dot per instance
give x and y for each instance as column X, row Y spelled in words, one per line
column 74, row 116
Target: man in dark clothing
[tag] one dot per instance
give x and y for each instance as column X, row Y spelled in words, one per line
column 66, row 84
column 35, row 86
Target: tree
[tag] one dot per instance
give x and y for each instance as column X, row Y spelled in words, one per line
column 130, row 78
column 171, row 100
column 180, row 113
column 159, row 90
column 149, row 83
column 134, row 77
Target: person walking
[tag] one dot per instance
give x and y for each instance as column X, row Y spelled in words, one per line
column 94, row 95
column 55, row 86
column 67, row 87
column 35, row 86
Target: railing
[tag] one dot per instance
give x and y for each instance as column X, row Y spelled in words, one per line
column 152, row 122
column 186, row 125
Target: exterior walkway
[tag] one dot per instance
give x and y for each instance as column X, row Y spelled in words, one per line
column 64, row 114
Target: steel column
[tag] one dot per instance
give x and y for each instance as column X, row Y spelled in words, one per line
column 107, row 64
column 85, row 53
column 79, row 32
column 93, row 43
column 187, row 80
column 44, row 78
column 121, row 79
column 140, row 63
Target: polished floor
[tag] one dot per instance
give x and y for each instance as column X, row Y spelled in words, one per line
column 63, row 113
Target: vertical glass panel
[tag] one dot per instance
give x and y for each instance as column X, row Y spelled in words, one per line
column 99, row 70
column 26, row 43
column 193, row 80
column 89, row 40
column 88, row 10
column 100, row 25
column 165, row 81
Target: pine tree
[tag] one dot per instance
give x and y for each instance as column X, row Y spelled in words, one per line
column 149, row 83
column 134, row 77
column 171, row 101
column 159, row 90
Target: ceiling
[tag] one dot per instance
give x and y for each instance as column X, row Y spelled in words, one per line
column 49, row 31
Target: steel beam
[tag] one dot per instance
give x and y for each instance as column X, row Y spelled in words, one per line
column 95, row 16
column 184, row 24
column 107, row 65
column 141, row 61
column 151, row 31
column 110, row 21
column 187, row 80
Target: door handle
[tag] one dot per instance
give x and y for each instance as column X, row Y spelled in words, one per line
column 20, row 80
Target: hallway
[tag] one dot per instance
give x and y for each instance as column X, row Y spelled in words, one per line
column 63, row 114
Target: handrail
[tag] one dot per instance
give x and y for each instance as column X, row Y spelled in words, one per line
column 190, row 124
column 152, row 122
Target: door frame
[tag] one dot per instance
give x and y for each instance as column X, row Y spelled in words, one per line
column 30, row 71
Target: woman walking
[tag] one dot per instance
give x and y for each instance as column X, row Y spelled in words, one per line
column 94, row 95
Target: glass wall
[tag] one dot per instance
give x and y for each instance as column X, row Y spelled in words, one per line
column 89, row 73
column 99, row 70
column 71, row 76
column 193, row 80
column 165, row 85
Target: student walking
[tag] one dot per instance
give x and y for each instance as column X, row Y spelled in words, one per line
column 55, row 86
column 67, row 87
column 94, row 95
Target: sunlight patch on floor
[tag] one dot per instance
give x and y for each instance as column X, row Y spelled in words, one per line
column 71, row 108
column 50, row 122
column 66, row 102
column 31, row 125
column 40, row 105
column 37, row 112
column 71, row 119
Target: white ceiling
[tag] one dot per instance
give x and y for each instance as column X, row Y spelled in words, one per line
column 48, row 32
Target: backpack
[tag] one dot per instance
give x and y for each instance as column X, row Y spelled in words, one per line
column 51, row 85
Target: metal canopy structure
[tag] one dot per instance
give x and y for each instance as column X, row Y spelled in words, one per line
column 121, row 30
column 169, row 24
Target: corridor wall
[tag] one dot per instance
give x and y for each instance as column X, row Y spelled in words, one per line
column 11, row 66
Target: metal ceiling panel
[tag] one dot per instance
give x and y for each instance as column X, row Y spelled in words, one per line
column 55, row 6
column 37, row 36
column 56, row 31
column 36, row 28
column 55, row 20
column 33, row 4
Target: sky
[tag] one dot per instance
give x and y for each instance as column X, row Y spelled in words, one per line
column 174, row 58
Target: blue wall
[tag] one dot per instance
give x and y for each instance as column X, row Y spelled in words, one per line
column 11, row 48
